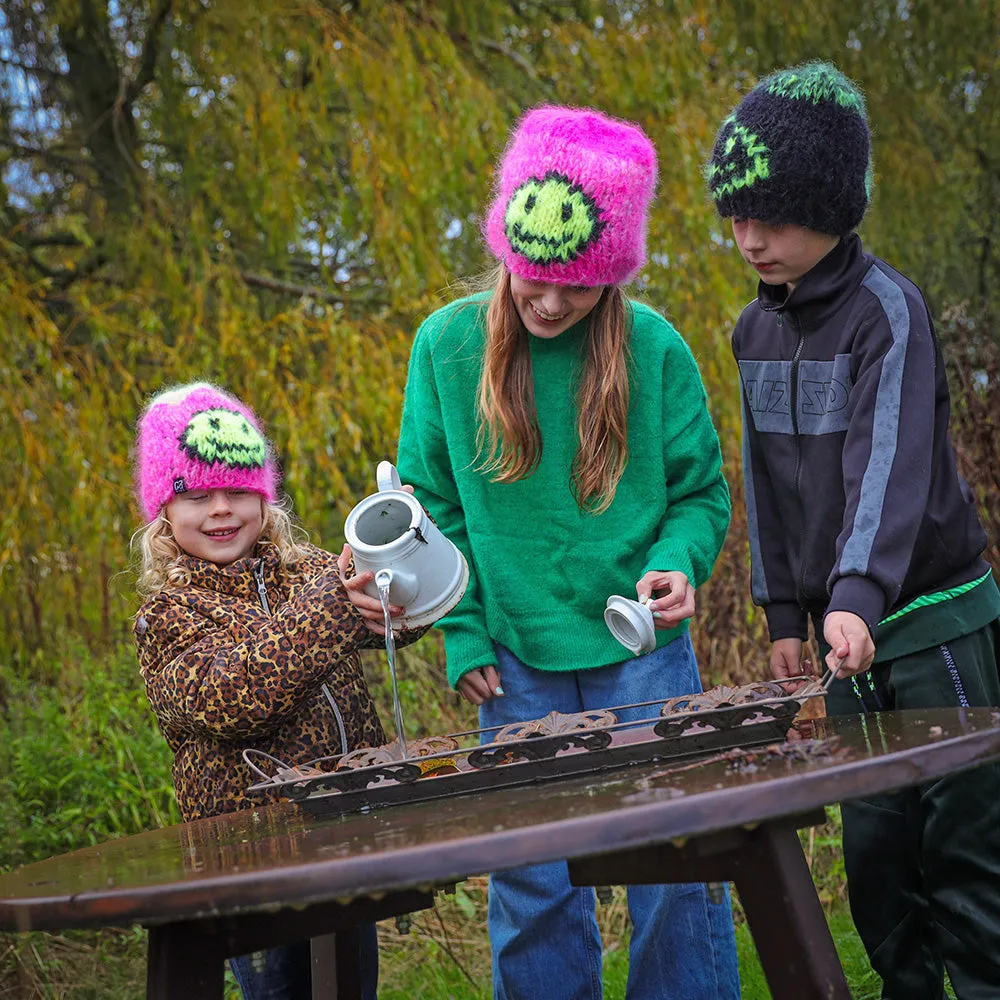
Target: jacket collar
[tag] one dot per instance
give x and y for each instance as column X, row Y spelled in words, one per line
column 238, row 577
column 823, row 289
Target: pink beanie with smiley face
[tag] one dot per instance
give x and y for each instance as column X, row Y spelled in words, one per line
column 572, row 198
column 198, row 437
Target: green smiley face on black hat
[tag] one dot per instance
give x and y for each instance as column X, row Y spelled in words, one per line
column 226, row 437
column 551, row 220
column 743, row 162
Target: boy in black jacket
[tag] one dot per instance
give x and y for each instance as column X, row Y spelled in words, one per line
column 858, row 518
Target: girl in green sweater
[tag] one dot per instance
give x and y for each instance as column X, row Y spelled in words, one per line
column 559, row 434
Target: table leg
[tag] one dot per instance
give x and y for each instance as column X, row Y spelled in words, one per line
column 336, row 965
column 183, row 963
column 786, row 919
column 776, row 889
column 185, row 959
column 324, row 967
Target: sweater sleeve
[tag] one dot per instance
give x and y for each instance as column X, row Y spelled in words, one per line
column 694, row 526
column 424, row 461
column 887, row 453
column 207, row 677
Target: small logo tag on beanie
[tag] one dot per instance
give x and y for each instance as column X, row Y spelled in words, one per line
column 179, row 486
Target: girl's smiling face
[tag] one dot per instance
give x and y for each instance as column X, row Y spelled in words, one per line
column 218, row 525
column 547, row 310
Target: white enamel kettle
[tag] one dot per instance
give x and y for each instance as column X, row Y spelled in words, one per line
column 391, row 535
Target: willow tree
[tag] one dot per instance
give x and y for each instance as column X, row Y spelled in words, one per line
column 271, row 195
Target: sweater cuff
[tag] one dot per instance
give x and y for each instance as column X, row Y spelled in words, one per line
column 465, row 651
column 670, row 556
column 786, row 620
column 861, row 596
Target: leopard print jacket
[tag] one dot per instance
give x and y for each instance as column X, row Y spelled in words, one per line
column 222, row 674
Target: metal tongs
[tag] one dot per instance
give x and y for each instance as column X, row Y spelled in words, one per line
column 830, row 675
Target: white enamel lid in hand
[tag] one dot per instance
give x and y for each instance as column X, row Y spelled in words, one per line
column 387, row 477
column 631, row 623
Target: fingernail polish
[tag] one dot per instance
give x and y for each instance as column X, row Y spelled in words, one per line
column 498, row 690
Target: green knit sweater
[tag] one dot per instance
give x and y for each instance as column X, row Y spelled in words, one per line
column 541, row 570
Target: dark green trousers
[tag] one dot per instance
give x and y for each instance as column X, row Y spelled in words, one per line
column 923, row 864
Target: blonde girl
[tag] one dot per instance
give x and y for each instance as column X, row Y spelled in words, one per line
column 248, row 636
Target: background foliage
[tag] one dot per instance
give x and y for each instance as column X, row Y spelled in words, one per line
column 272, row 195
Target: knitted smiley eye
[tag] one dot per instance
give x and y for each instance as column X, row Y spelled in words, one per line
column 222, row 436
column 551, row 219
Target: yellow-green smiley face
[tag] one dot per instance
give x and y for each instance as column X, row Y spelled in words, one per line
column 551, row 219
column 219, row 435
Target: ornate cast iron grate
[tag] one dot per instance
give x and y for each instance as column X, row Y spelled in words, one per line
column 558, row 745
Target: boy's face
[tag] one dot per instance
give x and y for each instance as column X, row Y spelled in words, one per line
column 781, row 254
column 218, row 525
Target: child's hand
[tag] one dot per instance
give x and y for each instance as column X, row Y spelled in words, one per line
column 370, row 608
column 786, row 661
column 480, row 685
column 677, row 602
column 851, row 646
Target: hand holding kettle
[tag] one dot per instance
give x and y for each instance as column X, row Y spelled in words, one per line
column 370, row 608
column 396, row 545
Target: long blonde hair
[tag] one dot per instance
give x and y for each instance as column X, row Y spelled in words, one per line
column 159, row 556
column 509, row 439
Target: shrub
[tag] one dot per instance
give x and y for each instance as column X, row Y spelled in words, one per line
column 80, row 753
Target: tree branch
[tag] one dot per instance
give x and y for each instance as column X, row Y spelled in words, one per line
column 515, row 57
column 41, row 266
column 63, row 277
column 301, row 291
column 150, row 50
column 58, row 159
column 52, row 240
column 52, row 74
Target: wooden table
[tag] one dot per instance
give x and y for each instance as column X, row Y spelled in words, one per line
column 250, row 880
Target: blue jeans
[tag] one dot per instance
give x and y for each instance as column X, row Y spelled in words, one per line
column 286, row 973
column 543, row 931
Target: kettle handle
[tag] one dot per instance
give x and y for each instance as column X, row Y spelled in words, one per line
column 387, row 477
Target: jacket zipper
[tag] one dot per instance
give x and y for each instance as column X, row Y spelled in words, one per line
column 794, row 406
column 258, row 574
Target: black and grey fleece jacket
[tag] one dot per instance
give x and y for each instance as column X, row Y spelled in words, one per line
column 853, row 499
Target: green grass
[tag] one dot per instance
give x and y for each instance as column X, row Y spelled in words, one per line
column 80, row 756
column 441, row 959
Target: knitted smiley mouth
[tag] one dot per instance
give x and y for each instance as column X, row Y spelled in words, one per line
column 225, row 437
column 551, row 219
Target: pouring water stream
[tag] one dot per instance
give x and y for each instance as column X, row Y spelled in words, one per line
column 382, row 581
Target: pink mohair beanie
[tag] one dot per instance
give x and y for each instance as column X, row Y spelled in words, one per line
column 571, row 198
column 198, row 437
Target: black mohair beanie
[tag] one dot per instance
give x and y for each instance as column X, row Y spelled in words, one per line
column 796, row 149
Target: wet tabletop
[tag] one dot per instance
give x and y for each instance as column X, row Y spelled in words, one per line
column 279, row 855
